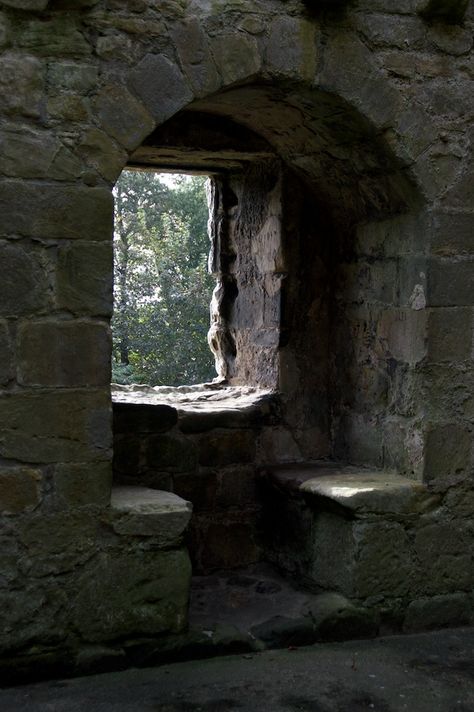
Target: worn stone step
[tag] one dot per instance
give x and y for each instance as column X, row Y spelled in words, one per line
column 141, row 511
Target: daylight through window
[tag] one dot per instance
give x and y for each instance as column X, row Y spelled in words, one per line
column 162, row 288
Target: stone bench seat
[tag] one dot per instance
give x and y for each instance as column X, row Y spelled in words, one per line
column 359, row 490
column 141, row 511
column 342, row 528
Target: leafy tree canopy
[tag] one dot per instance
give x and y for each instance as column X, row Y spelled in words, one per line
column 162, row 289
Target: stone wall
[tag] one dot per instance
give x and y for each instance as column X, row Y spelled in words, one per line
column 371, row 107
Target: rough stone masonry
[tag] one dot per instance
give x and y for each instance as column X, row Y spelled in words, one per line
column 339, row 138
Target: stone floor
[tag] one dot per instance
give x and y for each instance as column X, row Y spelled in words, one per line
column 430, row 672
column 256, row 608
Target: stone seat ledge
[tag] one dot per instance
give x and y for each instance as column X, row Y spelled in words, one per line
column 141, row 511
column 359, row 490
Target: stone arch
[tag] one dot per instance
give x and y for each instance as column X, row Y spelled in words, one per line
column 331, row 128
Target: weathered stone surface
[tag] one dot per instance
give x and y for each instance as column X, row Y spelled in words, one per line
column 64, row 353
column 57, row 36
column 236, row 57
column 360, row 490
column 102, row 153
column 161, row 86
column 5, row 31
column 438, row 612
column 132, row 593
column 442, row 550
column 20, row 489
column 171, row 453
column 291, row 48
column 26, row 4
column 68, row 426
column 55, row 211
column 84, row 278
column 385, row 564
column 24, row 284
column 127, row 449
column 122, row 116
column 193, row 51
column 143, row 418
column 450, row 282
column 33, row 154
column 452, row 234
column 55, row 543
column 448, row 452
column 449, row 335
column 21, row 85
column 139, row 511
column 82, row 485
column 221, row 448
column 450, row 11
column 6, row 354
column 72, row 76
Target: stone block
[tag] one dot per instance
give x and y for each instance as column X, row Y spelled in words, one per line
column 67, row 426
column 384, row 562
column 450, row 282
column 68, row 107
column 27, row 153
column 193, row 51
column 403, row 333
column 5, row 31
column 58, row 36
column 76, row 77
column 127, row 459
column 161, row 86
column 449, row 11
column 21, row 85
column 447, row 452
column 132, row 593
column 237, row 57
column 64, row 353
column 452, row 234
column 84, row 278
column 26, row 4
column 438, row 612
column 122, row 116
column 170, row 453
column 450, row 389
column 236, row 487
column 291, row 48
column 143, row 418
column 449, row 335
column 24, row 284
column 102, row 153
column 199, row 487
column 52, row 212
column 82, row 485
column 226, row 542
column 330, row 534
column 20, row 489
column 227, row 448
column 6, row 354
column 139, row 511
column 57, row 543
column 443, row 551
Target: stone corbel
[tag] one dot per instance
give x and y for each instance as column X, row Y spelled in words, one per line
column 450, row 11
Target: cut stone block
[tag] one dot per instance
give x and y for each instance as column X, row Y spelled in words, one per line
column 140, row 511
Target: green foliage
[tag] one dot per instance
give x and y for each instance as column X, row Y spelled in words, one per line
column 162, row 289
